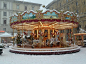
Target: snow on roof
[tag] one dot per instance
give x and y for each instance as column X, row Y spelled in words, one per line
column 15, row 14
column 33, row 11
column 28, row 12
column 56, row 11
column 44, row 10
column 70, row 13
column 66, row 12
column 24, row 12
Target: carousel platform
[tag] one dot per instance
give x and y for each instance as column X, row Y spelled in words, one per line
column 45, row 51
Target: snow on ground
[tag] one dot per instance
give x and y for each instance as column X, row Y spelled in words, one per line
column 12, row 58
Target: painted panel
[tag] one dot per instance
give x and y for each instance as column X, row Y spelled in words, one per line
column 29, row 16
column 32, row 16
column 14, row 19
column 68, row 14
column 26, row 16
column 50, row 15
column 67, row 18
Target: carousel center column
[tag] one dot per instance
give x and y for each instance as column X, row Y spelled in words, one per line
column 53, row 32
column 37, row 33
column 72, row 38
column 48, row 33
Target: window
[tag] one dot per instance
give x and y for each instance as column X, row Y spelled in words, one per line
column 4, row 22
column 66, row 0
column 72, row 2
column 60, row 4
column 84, row 1
column 5, row 6
column 77, row 11
column 25, row 7
column 52, row 8
column 32, row 8
column 17, row 6
column 76, row 3
column 4, row 13
column 64, row 7
column 4, row 29
column 68, row 7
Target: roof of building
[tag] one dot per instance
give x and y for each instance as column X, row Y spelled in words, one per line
column 51, row 3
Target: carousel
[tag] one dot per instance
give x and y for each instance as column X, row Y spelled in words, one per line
column 49, row 31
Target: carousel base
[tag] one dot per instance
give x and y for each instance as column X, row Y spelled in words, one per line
column 45, row 51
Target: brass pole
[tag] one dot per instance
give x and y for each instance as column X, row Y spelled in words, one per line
column 22, row 36
column 82, row 44
column 60, row 38
column 53, row 30
column 13, row 35
column 75, row 40
column 72, row 35
column 37, row 33
column 48, row 33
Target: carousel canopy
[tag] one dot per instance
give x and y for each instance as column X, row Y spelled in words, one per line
column 5, row 35
column 48, row 19
column 1, row 31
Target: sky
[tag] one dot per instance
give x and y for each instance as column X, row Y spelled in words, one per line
column 43, row 2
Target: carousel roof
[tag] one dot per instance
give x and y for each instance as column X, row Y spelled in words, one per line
column 48, row 19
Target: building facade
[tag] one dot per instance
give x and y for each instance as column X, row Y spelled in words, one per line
column 9, row 7
column 76, row 6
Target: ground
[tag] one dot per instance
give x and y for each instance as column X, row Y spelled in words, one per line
column 12, row 58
